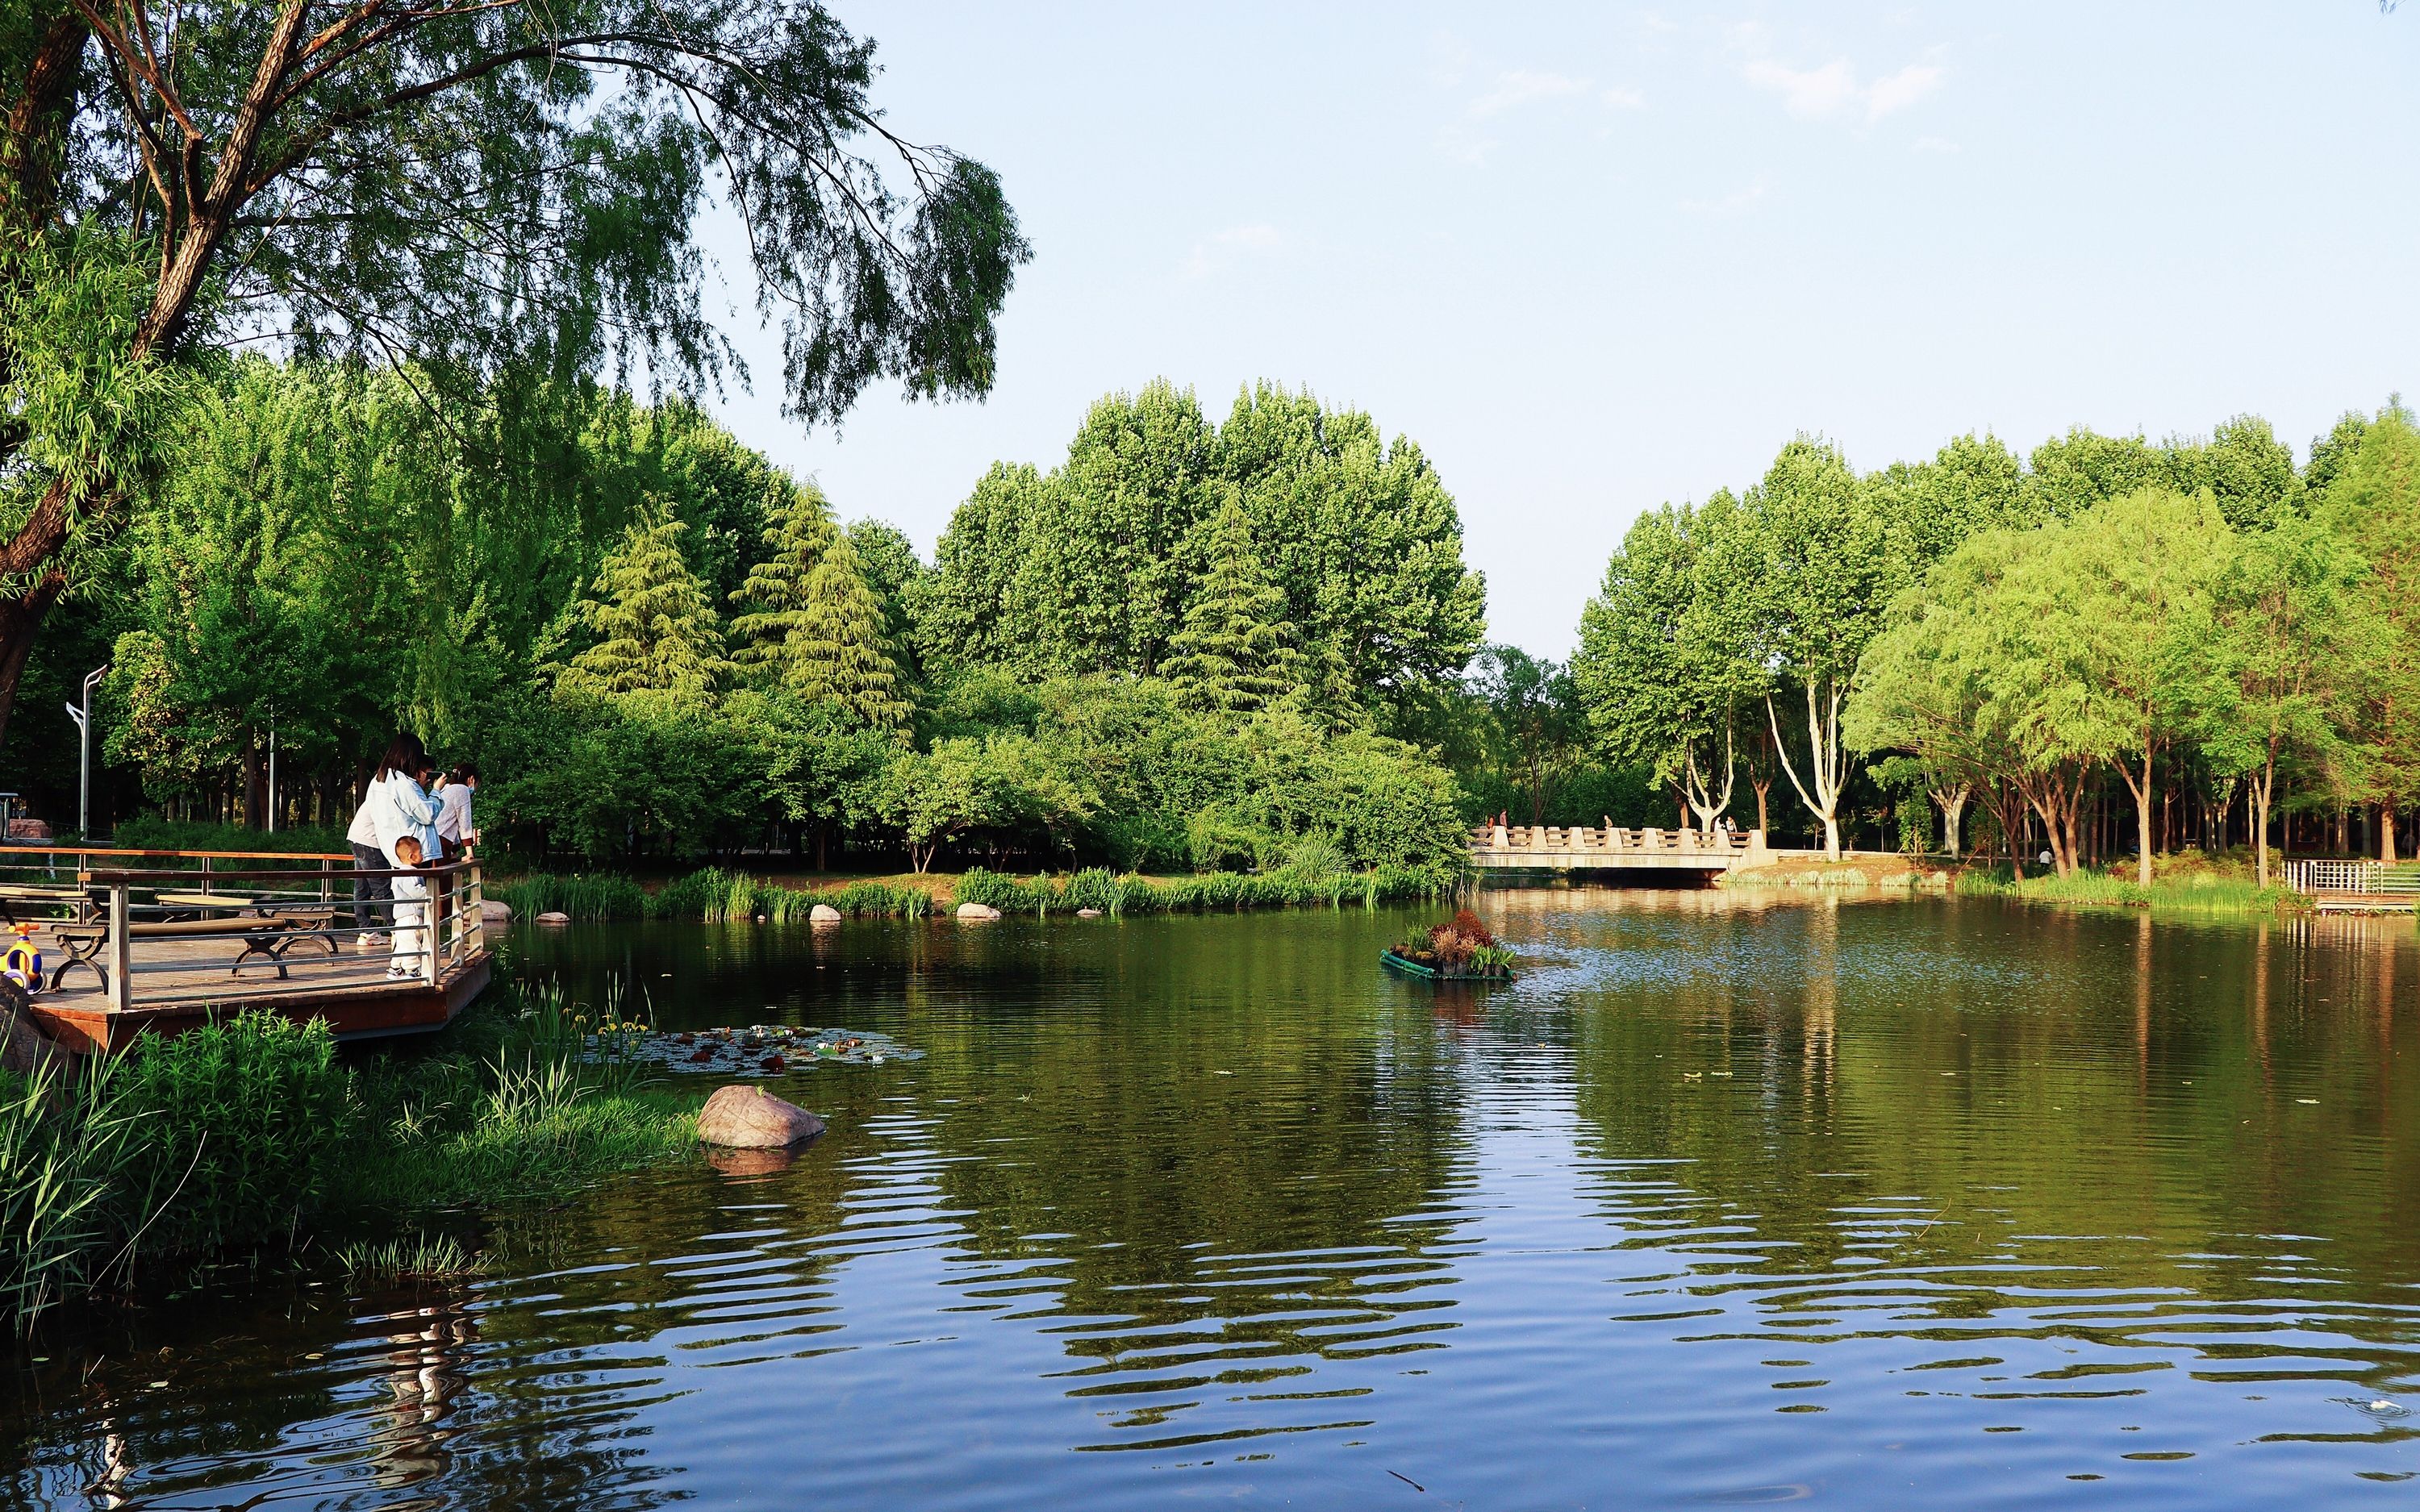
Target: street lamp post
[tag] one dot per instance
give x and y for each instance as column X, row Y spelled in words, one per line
column 83, row 718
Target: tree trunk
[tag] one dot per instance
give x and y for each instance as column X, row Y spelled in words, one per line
column 255, row 782
column 2386, row 832
column 1763, row 794
column 2263, row 785
column 1953, row 814
column 21, row 620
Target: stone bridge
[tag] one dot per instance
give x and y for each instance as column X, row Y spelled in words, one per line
column 1551, row 848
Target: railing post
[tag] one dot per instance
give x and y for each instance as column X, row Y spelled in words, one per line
column 206, row 874
column 121, row 983
column 476, row 893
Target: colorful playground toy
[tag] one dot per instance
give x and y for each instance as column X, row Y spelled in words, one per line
column 21, row 962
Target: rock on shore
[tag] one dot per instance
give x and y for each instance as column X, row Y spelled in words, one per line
column 750, row 1118
column 975, row 911
column 823, row 913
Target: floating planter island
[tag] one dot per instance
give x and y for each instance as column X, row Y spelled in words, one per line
column 1459, row 951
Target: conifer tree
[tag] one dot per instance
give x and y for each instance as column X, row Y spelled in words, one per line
column 839, row 648
column 655, row 630
column 1235, row 651
column 773, row 601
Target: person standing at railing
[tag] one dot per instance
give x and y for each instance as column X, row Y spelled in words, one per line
column 455, row 826
column 394, row 806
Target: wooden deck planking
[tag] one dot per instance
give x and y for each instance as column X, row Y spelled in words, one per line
column 350, row 989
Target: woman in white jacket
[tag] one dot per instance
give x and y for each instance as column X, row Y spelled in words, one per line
column 395, row 805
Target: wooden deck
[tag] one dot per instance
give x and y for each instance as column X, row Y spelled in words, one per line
column 185, row 939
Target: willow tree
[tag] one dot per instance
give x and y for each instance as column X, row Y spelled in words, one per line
column 471, row 187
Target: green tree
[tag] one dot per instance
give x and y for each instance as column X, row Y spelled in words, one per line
column 1538, row 726
column 895, row 575
column 171, row 181
column 2068, row 474
column 2374, row 507
column 1926, row 684
column 2111, row 624
column 839, row 651
column 1668, row 662
column 1235, row 651
column 2295, row 632
column 1826, row 575
column 654, row 632
column 773, row 599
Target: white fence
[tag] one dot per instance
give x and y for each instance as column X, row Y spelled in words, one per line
column 2314, row 877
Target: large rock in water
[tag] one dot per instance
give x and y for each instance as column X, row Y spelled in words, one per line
column 972, row 911
column 823, row 913
column 496, row 915
column 550, row 916
column 750, row 1118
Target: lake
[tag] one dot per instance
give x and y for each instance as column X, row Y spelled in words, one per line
column 1728, row 1201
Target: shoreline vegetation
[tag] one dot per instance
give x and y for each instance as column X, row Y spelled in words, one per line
column 259, row 1140
column 2187, row 883
column 715, row 895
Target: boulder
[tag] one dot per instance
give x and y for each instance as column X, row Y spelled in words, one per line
column 750, row 1118
column 1088, row 913
column 823, row 913
column 24, row 1049
column 496, row 915
column 550, row 916
column 977, row 910
column 29, row 829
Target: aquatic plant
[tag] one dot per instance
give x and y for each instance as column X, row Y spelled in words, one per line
column 418, row 1258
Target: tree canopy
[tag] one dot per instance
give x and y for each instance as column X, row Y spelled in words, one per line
column 459, row 190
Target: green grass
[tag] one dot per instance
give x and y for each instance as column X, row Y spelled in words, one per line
column 256, row 1136
column 2187, row 889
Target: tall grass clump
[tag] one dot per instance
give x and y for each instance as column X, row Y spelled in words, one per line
column 69, row 1148
column 587, row 897
column 238, row 1119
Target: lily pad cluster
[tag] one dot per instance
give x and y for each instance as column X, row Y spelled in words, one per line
column 749, row 1050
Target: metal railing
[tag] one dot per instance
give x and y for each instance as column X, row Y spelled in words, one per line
column 199, row 929
column 2376, row 878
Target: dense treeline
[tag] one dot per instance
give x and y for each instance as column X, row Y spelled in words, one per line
column 2188, row 637
column 1188, row 647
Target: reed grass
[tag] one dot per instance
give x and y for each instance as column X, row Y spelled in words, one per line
column 2193, row 892
column 719, row 895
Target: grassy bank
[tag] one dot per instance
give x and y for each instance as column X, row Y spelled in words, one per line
column 257, row 1137
column 2186, row 883
column 718, row 894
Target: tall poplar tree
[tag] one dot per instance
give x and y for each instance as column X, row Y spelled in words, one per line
column 655, row 633
column 1235, row 650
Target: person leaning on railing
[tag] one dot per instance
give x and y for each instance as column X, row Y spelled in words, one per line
column 395, row 805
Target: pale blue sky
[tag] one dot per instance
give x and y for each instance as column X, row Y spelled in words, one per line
column 1594, row 258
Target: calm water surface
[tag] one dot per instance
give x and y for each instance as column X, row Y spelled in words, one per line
column 1893, row 1204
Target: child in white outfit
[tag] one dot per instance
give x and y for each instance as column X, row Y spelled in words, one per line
column 410, row 917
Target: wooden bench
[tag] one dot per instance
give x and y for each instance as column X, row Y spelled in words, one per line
column 274, row 929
